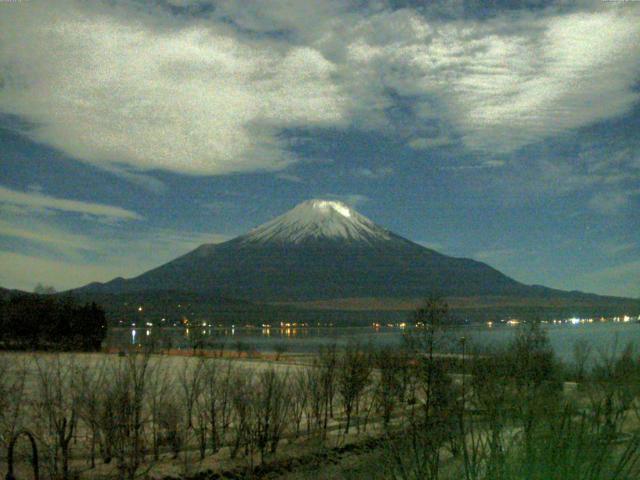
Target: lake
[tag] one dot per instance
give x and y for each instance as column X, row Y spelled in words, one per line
column 605, row 338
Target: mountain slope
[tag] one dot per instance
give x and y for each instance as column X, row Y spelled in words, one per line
column 320, row 250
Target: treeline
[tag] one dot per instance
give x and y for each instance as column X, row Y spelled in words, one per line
column 45, row 322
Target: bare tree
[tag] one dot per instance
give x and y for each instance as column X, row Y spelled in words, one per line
column 581, row 354
column 90, row 386
column 428, row 419
column 300, row 388
column 241, row 401
column 159, row 385
column 216, row 400
column 269, row 408
column 389, row 385
column 280, row 349
column 315, row 406
column 57, row 408
column 13, row 375
column 353, row 371
column 171, row 424
column 328, row 361
column 190, row 381
column 128, row 400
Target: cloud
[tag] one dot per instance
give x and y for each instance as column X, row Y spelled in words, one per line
column 488, row 164
column 47, row 235
column 25, row 271
column 107, row 241
column 289, row 177
column 621, row 279
column 135, row 88
column 36, row 200
column 615, row 249
column 559, row 73
column 351, row 199
column 611, row 202
column 373, row 173
column 421, row 143
column 66, row 259
column 508, row 82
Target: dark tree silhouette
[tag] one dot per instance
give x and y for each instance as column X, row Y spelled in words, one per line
column 32, row 322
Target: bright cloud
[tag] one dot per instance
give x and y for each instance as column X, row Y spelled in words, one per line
column 575, row 70
column 121, row 88
column 136, row 89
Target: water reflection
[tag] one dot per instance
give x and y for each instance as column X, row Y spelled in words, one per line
column 269, row 338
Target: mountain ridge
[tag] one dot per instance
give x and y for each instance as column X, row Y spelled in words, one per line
column 322, row 250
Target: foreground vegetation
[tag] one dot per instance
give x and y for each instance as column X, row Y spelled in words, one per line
column 404, row 413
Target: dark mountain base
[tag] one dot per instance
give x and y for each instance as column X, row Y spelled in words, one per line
column 178, row 307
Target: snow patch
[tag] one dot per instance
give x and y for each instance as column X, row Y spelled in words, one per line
column 339, row 207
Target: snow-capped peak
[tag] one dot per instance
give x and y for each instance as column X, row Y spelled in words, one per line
column 324, row 205
column 318, row 219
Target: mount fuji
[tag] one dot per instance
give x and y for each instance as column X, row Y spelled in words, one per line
column 320, row 250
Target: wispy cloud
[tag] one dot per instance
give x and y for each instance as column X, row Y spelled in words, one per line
column 622, row 279
column 38, row 200
column 66, row 259
column 47, row 235
column 422, row 143
column 611, row 202
column 488, row 164
column 289, row 177
column 613, row 248
column 374, row 173
column 352, row 199
column 24, row 271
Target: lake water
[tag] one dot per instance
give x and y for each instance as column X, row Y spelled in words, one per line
column 606, row 338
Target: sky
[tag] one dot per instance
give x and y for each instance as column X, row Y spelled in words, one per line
column 132, row 132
